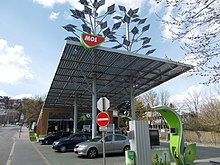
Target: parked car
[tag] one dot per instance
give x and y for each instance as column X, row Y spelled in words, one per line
column 49, row 139
column 114, row 143
column 68, row 143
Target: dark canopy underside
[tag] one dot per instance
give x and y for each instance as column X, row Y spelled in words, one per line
column 115, row 72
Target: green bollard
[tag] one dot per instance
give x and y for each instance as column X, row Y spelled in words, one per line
column 129, row 157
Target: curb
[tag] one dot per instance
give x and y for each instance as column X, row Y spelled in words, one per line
column 197, row 144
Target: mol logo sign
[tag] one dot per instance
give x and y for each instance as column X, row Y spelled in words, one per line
column 89, row 41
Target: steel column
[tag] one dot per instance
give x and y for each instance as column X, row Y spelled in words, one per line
column 132, row 99
column 94, row 106
column 75, row 116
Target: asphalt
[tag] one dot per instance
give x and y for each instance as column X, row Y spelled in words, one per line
column 25, row 152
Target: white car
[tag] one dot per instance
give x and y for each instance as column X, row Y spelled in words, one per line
column 114, row 143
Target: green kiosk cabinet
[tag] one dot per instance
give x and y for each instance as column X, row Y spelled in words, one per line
column 129, row 157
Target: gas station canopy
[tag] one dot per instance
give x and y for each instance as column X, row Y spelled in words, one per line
column 115, row 72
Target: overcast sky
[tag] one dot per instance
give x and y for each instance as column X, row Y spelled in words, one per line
column 32, row 38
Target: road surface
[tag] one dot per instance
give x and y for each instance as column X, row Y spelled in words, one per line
column 6, row 141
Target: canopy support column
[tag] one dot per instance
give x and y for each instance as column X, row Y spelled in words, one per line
column 94, row 106
column 132, row 99
column 75, row 116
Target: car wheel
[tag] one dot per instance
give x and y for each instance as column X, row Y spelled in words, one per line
column 46, row 142
column 63, row 149
column 126, row 148
column 92, row 153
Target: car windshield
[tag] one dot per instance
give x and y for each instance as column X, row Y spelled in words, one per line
column 55, row 134
column 95, row 139
column 65, row 138
column 69, row 137
column 74, row 137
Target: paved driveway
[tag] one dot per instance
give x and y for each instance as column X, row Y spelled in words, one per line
column 25, row 152
column 68, row 158
column 204, row 155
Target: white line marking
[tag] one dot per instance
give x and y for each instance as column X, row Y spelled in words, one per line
column 11, row 153
column 102, row 119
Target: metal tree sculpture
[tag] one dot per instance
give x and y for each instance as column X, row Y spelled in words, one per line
column 96, row 24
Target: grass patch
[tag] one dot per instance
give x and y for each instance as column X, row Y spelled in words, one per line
column 31, row 134
column 32, row 137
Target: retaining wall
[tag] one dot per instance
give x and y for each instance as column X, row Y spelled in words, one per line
column 197, row 137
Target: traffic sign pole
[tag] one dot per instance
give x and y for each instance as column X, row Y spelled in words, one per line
column 21, row 121
column 102, row 120
column 103, row 104
column 103, row 145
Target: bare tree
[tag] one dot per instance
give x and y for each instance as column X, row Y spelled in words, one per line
column 192, row 101
column 150, row 98
column 210, row 114
column 196, row 24
column 164, row 97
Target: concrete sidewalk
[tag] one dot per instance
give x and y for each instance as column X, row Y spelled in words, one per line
column 23, row 152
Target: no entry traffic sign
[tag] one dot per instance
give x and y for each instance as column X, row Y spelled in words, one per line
column 102, row 119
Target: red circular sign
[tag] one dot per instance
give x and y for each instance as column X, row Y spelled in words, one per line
column 102, row 119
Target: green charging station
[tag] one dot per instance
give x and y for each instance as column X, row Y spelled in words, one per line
column 180, row 153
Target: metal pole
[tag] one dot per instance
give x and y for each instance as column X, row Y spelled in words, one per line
column 75, row 116
column 94, row 106
column 94, row 94
column 103, row 104
column 20, row 131
column 103, row 145
column 128, row 36
column 132, row 99
column 94, row 23
column 5, row 120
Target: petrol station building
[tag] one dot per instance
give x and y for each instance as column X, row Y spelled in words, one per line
column 84, row 75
